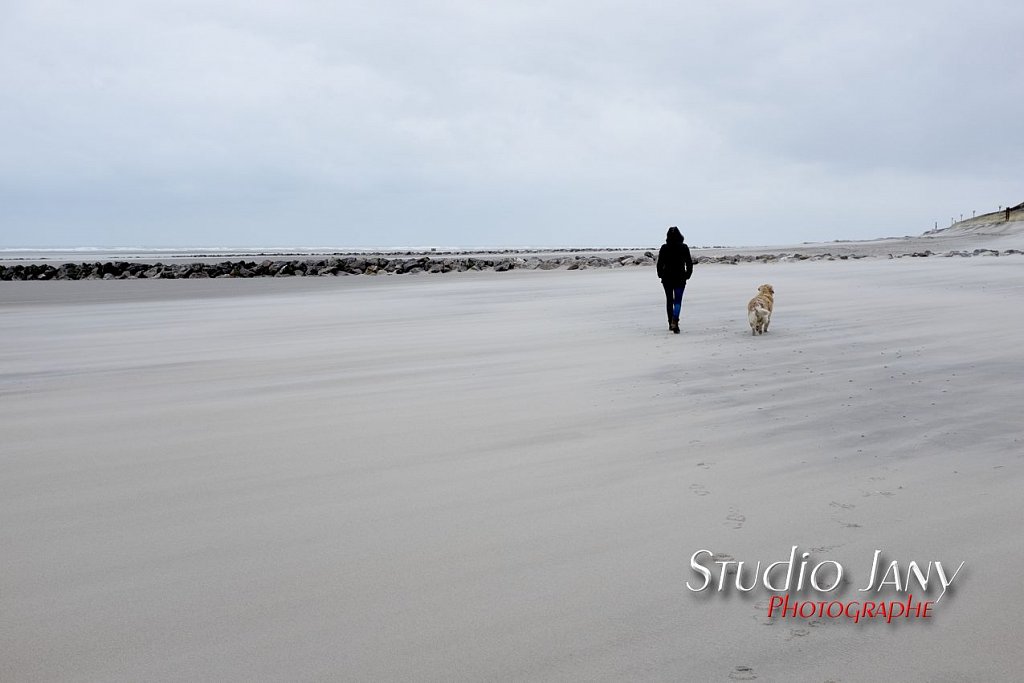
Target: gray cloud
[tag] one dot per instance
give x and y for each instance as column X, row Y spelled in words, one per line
column 379, row 123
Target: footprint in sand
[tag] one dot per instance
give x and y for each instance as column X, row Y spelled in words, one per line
column 742, row 673
column 725, row 557
column 848, row 525
column 762, row 607
column 734, row 519
column 704, row 465
column 798, row 633
column 699, row 490
column 841, row 506
column 825, row 548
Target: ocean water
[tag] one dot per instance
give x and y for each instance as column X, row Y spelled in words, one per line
column 150, row 254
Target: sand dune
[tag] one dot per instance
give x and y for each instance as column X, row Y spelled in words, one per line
column 503, row 476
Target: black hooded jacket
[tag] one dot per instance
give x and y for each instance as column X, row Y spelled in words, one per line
column 674, row 263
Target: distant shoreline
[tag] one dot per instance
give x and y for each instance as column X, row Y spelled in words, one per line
column 118, row 263
column 968, row 236
column 411, row 263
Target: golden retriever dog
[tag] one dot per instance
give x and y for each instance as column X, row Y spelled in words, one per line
column 759, row 310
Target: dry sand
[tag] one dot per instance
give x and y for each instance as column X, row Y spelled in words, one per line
column 503, row 476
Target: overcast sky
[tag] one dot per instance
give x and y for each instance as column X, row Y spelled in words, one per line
column 484, row 123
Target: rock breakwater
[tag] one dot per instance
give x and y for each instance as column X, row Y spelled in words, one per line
column 386, row 265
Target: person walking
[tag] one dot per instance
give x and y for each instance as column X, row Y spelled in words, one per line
column 674, row 268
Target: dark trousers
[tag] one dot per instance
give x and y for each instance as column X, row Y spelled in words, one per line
column 673, row 298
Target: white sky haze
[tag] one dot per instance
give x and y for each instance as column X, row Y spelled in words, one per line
column 382, row 123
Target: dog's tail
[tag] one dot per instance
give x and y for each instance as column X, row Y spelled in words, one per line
column 758, row 312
